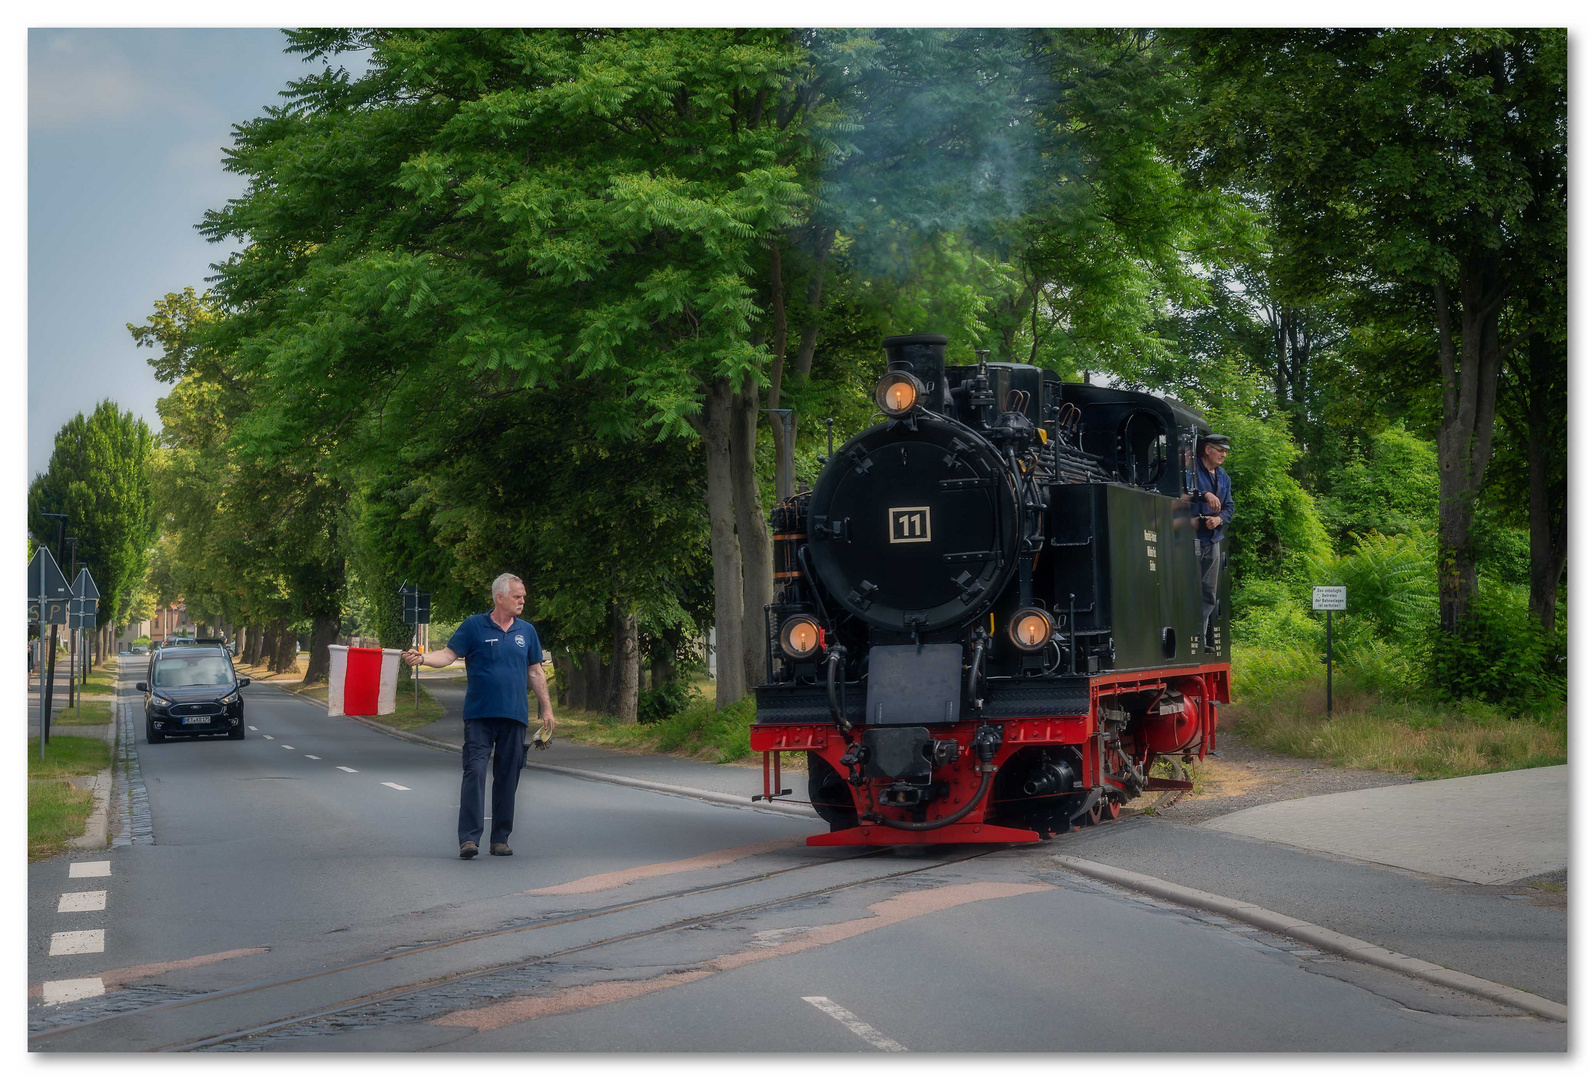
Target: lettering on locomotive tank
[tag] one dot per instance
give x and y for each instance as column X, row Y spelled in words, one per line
column 1150, row 535
column 910, row 524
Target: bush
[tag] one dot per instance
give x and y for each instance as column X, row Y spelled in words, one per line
column 1393, row 489
column 665, row 701
column 1501, row 653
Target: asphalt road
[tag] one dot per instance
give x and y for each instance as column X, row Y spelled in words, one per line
column 338, row 899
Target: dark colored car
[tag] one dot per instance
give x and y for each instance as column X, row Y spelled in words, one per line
column 192, row 690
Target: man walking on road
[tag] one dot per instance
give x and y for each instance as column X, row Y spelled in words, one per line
column 502, row 653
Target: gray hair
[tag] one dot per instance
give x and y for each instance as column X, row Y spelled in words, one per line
column 501, row 584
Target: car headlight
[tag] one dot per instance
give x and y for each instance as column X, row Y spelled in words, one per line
column 1030, row 629
column 162, row 702
column 231, row 699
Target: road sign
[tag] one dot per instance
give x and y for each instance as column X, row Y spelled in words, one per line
column 84, row 586
column 85, row 620
column 1329, row 598
column 34, row 611
column 45, row 580
column 417, row 605
column 81, row 605
column 54, row 613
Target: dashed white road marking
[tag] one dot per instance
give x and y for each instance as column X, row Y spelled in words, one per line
column 64, row 990
column 82, row 901
column 72, row 942
column 346, row 768
column 395, row 787
column 312, row 757
column 252, row 727
column 854, row 1024
column 285, row 746
column 273, row 738
column 89, row 869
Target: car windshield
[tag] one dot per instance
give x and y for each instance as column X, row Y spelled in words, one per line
column 175, row 671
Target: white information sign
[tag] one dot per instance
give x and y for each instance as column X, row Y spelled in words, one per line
column 1329, row 598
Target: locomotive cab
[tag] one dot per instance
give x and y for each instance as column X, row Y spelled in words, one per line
column 985, row 626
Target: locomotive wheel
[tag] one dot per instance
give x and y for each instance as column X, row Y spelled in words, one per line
column 1111, row 808
column 829, row 793
column 1093, row 816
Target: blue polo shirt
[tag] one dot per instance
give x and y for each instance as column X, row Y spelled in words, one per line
column 496, row 663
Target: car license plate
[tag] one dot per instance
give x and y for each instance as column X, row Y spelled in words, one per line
column 204, row 719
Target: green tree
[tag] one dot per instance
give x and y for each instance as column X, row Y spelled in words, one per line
column 1428, row 164
column 97, row 477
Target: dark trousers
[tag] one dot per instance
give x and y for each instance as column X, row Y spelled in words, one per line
column 498, row 740
column 1211, row 560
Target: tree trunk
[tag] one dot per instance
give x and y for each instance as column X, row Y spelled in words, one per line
column 730, row 677
column 571, row 690
column 660, row 672
column 287, row 648
column 323, row 633
column 753, row 535
column 268, row 645
column 622, row 700
column 1547, row 418
column 593, row 680
column 1470, row 358
column 254, row 644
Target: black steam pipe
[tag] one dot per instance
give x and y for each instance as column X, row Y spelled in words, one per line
column 833, row 660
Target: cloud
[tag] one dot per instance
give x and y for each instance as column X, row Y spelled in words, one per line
column 79, row 78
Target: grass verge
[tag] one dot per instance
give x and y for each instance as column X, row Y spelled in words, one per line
column 1427, row 739
column 56, row 810
column 406, row 716
column 86, row 712
column 700, row 731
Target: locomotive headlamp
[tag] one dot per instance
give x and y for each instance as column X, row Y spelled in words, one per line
column 1030, row 629
column 897, row 393
column 802, row 638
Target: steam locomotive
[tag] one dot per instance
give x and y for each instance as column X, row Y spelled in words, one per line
column 987, row 621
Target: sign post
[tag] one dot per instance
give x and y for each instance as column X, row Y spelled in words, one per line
column 1329, row 599
column 48, row 592
column 417, row 613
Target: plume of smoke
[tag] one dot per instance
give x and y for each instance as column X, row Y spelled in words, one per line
column 939, row 132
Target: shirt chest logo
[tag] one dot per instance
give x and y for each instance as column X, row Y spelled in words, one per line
column 520, row 639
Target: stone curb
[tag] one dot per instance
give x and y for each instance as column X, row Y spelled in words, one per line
column 1319, row 937
column 722, row 797
column 97, row 829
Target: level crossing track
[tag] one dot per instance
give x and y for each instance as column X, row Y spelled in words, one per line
column 48, row 1037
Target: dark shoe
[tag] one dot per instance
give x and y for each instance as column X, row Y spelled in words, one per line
column 501, row 849
column 468, row 850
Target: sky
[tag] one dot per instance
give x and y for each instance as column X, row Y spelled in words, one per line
column 125, row 135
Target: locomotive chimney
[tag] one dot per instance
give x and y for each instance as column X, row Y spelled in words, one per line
column 925, row 357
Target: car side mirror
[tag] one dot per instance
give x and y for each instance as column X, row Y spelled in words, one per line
column 242, row 683
column 141, row 686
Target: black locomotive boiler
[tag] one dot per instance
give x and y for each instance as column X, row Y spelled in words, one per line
column 987, row 623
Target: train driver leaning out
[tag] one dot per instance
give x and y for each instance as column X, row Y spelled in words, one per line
column 1213, row 507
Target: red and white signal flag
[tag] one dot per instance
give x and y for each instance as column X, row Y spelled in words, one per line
column 362, row 682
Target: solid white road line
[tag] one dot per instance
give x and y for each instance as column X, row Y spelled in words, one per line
column 64, row 990
column 82, row 901
column 312, row 757
column 395, row 787
column 854, row 1024
column 72, row 942
column 346, row 768
column 89, row 869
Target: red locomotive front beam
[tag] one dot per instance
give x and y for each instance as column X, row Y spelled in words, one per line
column 1019, row 732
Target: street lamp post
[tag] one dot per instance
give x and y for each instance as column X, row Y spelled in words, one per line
column 72, row 634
